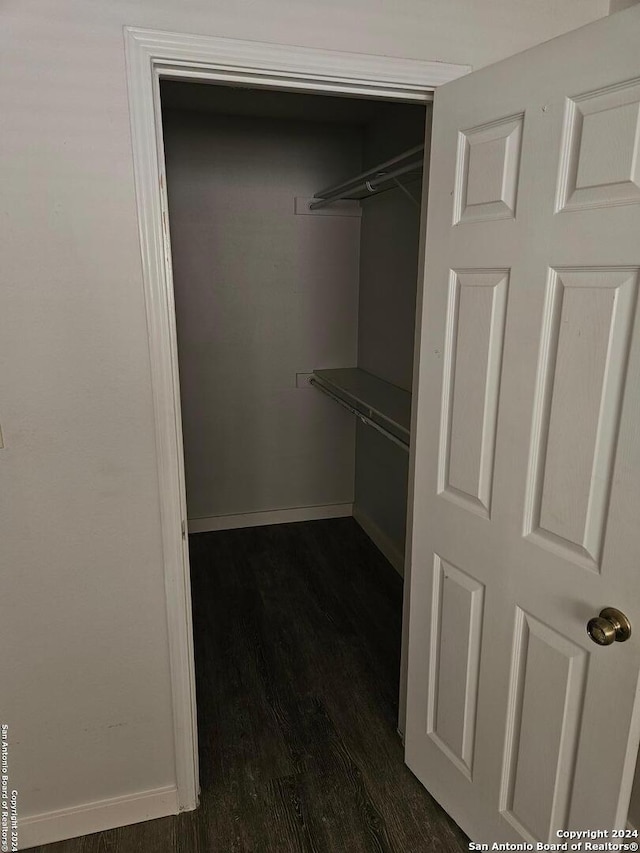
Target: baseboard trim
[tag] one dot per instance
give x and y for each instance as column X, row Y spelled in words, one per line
column 93, row 817
column 380, row 539
column 275, row 516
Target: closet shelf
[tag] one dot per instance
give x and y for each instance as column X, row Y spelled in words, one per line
column 380, row 404
column 382, row 177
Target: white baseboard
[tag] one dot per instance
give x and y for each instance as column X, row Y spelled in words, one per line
column 275, row 516
column 97, row 816
column 380, row 539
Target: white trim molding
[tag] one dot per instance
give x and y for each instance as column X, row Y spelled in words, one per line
column 151, row 55
column 96, row 817
column 272, row 516
column 280, row 66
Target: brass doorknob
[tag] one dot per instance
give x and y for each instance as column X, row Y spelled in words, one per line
column 611, row 626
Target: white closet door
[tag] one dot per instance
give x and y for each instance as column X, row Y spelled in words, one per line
column 526, row 503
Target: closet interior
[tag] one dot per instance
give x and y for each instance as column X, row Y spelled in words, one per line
column 295, row 222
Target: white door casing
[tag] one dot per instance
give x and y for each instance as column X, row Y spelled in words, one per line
column 526, row 485
column 151, row 55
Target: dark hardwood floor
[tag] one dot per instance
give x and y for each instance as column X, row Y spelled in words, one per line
column 297, row 638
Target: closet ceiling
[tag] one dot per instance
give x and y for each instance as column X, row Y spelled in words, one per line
column 229, row 100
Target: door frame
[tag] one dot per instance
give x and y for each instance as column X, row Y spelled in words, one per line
column 150, row 56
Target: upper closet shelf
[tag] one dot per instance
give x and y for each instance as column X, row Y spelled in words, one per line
column 380, row 404
column 380, row 178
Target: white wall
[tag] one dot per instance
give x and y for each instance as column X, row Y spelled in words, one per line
column 261, row 293
column 84, row 667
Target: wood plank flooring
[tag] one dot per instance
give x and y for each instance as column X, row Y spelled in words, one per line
column 297, row 638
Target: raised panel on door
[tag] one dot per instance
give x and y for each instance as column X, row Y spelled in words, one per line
column 546, row 687
column 455, row 659
column 600, row 160
column 581, row 380
column 472, row 362
column 487, row 170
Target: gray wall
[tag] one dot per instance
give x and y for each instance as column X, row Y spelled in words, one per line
column 389, row 254
column 380, row 505
column 261, row 293
column 618, row 6
column 388, row 281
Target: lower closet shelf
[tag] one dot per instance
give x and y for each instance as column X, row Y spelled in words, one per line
column 381, row 405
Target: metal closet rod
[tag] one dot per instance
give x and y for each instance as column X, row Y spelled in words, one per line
column 368, row 180
column 363, row 418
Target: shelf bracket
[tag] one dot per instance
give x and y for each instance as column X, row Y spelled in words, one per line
column 407, row 192
column 360, row 415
